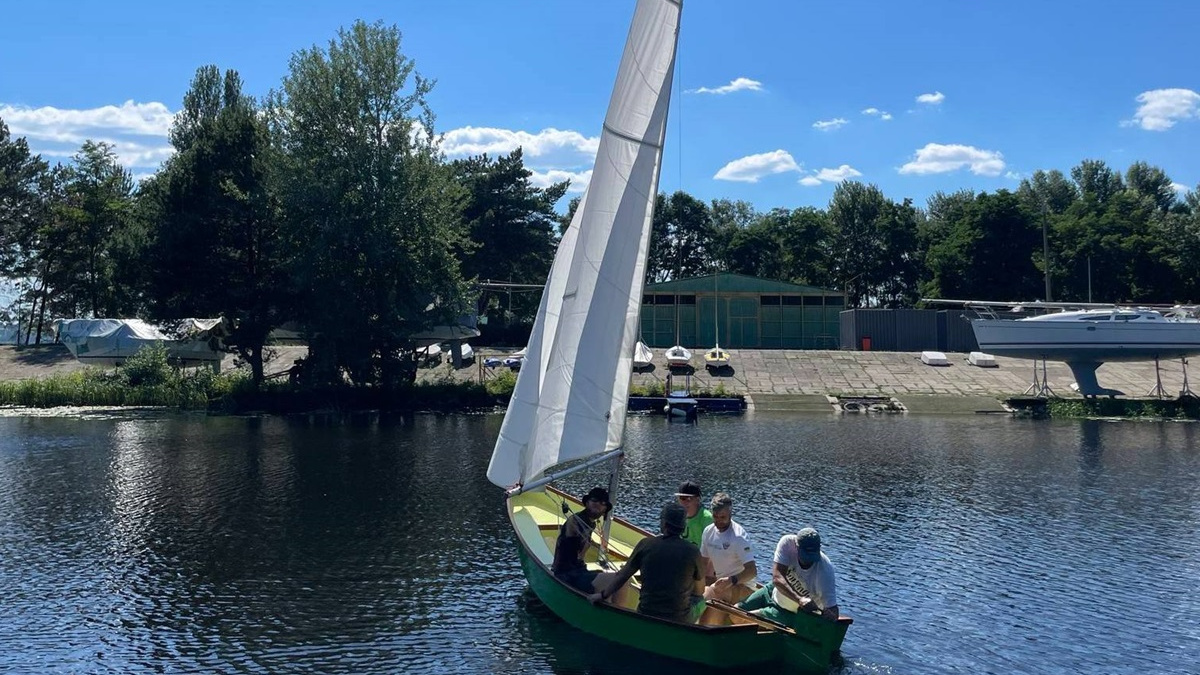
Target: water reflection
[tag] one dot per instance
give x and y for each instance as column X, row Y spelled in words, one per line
column 374, row 544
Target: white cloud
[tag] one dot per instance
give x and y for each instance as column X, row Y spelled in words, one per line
column 1160, row 109
column 65, row 125
column 1180, row 188
column 1013, row 175
column 932, row 99
column 551, row 155
column 544, row 179
column 843, row 172
column 739, row 84
column 876, row 112
column 886, row 116
column 750, row 168
column 829, row 125
column 938, row 158
column 870, row 111
column 478, row 140
column 138, row 131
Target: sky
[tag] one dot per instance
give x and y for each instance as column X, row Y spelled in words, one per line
column 775, row 100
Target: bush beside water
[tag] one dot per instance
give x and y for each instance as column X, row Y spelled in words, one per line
column 1187, row 407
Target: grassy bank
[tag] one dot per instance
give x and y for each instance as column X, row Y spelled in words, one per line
column 148, row 379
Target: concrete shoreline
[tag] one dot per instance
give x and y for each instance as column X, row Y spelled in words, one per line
column 773, row 379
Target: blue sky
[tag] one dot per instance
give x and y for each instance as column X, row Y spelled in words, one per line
column 914, row 96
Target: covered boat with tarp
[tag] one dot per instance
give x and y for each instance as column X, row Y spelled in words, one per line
column 108, row 342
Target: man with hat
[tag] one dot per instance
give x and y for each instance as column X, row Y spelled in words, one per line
column 672, row 577
column 802, row 579
column 698, row 518
column 574, row 538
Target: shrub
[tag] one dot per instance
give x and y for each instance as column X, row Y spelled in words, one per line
column 502, row 383
column 148, row 367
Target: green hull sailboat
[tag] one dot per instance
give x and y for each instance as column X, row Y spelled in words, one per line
column 568, row 407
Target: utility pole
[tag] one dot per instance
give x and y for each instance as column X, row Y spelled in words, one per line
column 1046, row 255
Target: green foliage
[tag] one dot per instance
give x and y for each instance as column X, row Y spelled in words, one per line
column 372, row 212
column 148, row 367
column 218, row 247
column 874, row 246
column 1183, row 408
column 653, row 388
column 981, row 246
column 145, row 384
column 501, row 383
column 510, row 231
column 682, row 239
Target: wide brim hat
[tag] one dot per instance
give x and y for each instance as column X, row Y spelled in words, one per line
column 598, row 494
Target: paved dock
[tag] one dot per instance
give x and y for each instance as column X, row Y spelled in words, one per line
column 779, row 379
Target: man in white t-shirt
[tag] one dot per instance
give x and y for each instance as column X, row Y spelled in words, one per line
column 728, row 558
column 802, row 579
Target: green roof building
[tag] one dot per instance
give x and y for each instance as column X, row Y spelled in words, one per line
column 740, row 312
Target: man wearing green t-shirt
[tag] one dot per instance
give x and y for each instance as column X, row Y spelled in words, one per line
column 698, row 518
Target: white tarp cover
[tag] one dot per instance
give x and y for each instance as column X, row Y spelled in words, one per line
column 105, row 341
column 642, row 356
column 570, row 398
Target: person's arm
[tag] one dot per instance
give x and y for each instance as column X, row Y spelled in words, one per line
column 710, row 574
column 626, row 572
column 698, row 576
column 749, row 573
column 779, row 577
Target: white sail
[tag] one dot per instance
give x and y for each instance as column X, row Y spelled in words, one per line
column 570, row 398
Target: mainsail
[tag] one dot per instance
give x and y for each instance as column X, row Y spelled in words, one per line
column 570, row 398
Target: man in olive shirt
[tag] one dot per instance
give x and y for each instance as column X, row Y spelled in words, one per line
column 697, row 518
column 672, row 577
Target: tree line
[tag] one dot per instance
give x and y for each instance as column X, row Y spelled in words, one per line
column 329, row 203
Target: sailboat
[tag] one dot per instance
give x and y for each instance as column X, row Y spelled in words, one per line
column 716, row 358
column 642, row 356
column 567, row 411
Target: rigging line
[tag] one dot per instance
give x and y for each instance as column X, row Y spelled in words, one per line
column 679, row 99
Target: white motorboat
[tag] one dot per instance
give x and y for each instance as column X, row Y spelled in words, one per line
column 678, row 357
column 1087, row 338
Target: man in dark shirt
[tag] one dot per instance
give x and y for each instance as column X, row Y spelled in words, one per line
column 574, row 538
column 672, row 576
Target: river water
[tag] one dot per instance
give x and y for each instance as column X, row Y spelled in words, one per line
column 174, row 543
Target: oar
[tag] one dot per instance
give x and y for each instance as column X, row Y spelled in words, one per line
column 741, row 613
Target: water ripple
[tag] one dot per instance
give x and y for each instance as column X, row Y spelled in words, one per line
column 151, row 542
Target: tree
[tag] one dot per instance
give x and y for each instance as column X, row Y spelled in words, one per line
column 874, row 253
column 510, row 223
column 373, row 214
column 22, row 209
column 986, row 249
column 681, row 239
column 1047, row 195
column 218, row 248
column 1152, row 183
column 90, row 217
column 1096, row 181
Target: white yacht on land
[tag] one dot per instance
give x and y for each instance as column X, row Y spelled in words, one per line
column 1087, row 338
